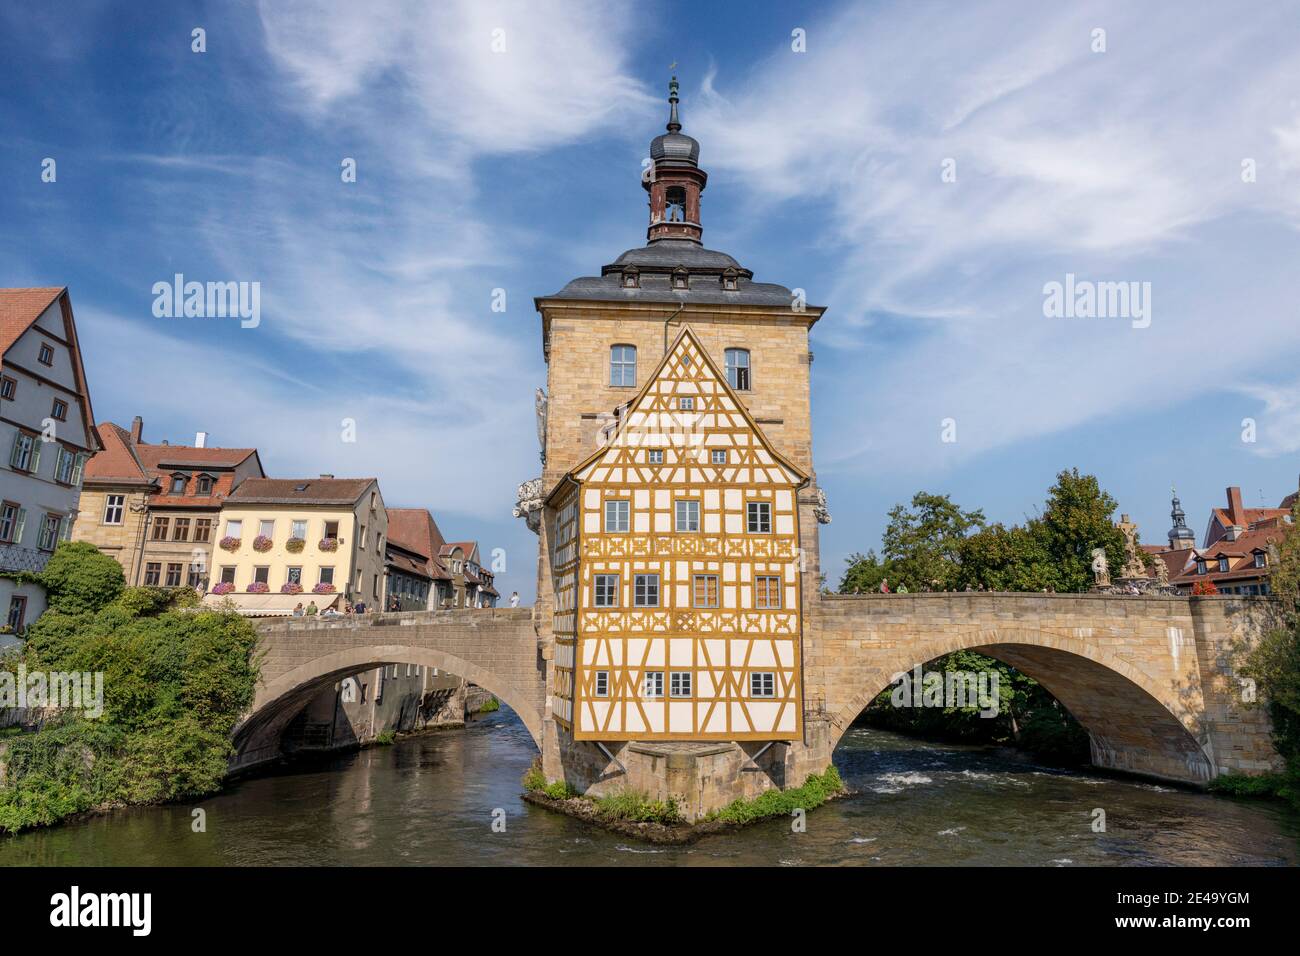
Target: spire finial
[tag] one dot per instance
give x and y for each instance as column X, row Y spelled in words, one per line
column 674, row 124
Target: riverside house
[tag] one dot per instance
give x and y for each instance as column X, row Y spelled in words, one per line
column 283, row 541
column 46, row 430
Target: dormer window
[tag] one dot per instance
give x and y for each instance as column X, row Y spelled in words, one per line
column 730, row 280
column 681, row 279
column 1261, row 559
column 204, row 485
column 1223, row 564
column 1200, row 566
column 631, row 278
column 178, row 485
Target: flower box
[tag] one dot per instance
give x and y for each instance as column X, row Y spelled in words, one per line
column 295, row 545
column 329, row 544
column 222, row 587
column 262, row 543
column 291, row 587
column 258, row 587
column 323, row 588
column 229, row 544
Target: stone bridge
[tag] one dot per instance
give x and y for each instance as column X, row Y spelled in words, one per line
column 1148, row 677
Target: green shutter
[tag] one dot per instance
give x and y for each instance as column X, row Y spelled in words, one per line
column 18, row 444
column 36, row 457
column 78, row 468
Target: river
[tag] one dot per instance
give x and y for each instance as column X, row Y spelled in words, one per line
column 430, row 800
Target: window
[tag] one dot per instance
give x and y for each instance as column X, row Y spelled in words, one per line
column 617, row 515
column 46, row 357
column 681, row 278
column 705, row 590
column 65, row 467
column 17, row 612
column 602, row 683
column 1223, row 564
column 227, row 575
column 767, row 591
column 1261, row 559
column 298, row 529
column 195, row 577
column 234, row 529
column 174, row 575
column 656, row 456
column 730, row 280
column 762, row 684
column 687, row 514
column 605, row 590
column 26, row 454
column 203, row 486
column 645, row 590
column 295, row 577
column 718, row 456
column 758, row 517
column 202, row 529
column 182, row 530
column 178, row 485
column 332, row 529
column 266, row 529
column 622, row 366
column 114, row 506
column 679, row 684
column 738, row 369
column 60, row 410
column 160, row 526
column 1200, row 565
column 361, row 538
column 10, row 525
column 152, row 574
column 262, row 575
column 654, row 684
column 631, row 278
column 8, row 388
column 686, row 403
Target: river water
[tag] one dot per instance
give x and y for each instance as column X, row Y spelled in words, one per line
column 431, row 800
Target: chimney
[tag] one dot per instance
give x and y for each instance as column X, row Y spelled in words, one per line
column 201, row 440
column 137, row 429
column 1236, row 511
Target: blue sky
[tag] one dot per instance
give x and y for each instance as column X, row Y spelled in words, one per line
column 520, row 169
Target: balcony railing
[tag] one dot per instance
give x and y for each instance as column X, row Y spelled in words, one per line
column 14, row 558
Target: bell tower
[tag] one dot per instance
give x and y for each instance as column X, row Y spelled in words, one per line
column 674, row 180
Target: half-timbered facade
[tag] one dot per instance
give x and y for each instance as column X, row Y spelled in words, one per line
column 676, row 566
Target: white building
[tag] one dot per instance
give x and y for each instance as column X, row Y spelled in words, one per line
column 46, row 436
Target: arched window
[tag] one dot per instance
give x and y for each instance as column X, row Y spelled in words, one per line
column 738, row 369
column 622, row 365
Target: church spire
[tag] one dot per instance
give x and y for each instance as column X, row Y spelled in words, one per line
column 674, row 180
column 1181, row 537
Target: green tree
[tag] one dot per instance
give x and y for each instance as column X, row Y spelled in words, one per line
column 79, row 577
column 921, row 547
column 1078, row 518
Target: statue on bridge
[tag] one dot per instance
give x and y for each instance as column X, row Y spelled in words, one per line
column 1100, row 569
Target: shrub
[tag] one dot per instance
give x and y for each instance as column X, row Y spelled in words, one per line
column 816, row 790
column 385, row 737
column 490, row 705
column 637, row 808
column 79, row 577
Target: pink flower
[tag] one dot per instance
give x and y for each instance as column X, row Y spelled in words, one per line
column 258, row 587
column 323, row 588
column 229, row 544
column 222, row 587
column 329, row 544
column 291, row 587
column 262, row 543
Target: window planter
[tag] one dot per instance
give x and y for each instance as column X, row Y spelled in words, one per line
column 258, row 587
column 229, row 544
column 329, row 544
column 323, row 588
column 222, row 587
column 290, row 587
column 262, row 543
column 295, row 545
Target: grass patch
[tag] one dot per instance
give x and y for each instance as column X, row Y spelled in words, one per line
column 1241, row 785
column 535, row 781
column 491, row 705
column 385, row 737
column 636, row 807
column 816, row 790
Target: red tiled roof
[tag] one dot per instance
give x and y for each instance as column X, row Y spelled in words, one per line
column 415, row 530
column 19, row 308
column 1240, row 555
column 117, row 461
column 314, row 491
column 125, row 461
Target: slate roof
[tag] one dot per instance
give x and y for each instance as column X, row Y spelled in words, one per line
column 315, row 491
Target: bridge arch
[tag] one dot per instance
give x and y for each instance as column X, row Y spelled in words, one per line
column 1135, row 723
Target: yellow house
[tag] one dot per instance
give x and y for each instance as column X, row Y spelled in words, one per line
column 284, row 541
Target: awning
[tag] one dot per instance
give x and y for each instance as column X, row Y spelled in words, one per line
column 271, row 605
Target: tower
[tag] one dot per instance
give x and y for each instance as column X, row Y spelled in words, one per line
column 678, row 540
column 1181, row 537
